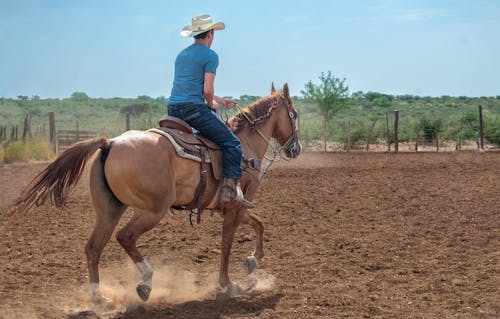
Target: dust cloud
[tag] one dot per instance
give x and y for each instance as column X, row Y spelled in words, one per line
column 171, row 284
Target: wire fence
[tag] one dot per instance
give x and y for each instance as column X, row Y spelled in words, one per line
column 471, row 127
column 402, row 131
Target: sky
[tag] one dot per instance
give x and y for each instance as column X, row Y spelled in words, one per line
column 127, row 48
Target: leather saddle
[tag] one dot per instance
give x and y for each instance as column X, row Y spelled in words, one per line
column 198, row 146
column 194, row 144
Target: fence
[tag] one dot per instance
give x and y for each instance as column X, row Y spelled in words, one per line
column 394, row 131
column 67, row 137
column 402, row 130
column 59, row 139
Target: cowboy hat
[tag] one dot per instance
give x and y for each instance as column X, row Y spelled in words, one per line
column 200, row 24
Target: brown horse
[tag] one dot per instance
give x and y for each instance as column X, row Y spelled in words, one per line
column 142, row 170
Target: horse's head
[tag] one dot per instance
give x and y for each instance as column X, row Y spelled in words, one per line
column 285, row 128
column 276, row 115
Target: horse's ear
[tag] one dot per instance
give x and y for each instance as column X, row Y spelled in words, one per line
column 285, row 90
column 272, row 88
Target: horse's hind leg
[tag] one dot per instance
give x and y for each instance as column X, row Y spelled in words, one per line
column 108, row 212
column 141, row 222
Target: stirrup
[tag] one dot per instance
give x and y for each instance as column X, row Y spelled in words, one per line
column 247, row 204
column 239, row 204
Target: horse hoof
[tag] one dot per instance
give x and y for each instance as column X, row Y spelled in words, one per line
column 250, row 264
column 143, row 291
column 101, row 301
column 234, row 290
column 103, row 305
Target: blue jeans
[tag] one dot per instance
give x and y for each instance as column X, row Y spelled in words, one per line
column 209, row 124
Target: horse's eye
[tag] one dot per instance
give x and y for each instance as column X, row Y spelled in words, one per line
column 292, row 116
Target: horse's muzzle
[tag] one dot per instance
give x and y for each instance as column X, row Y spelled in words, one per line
column 293, row 149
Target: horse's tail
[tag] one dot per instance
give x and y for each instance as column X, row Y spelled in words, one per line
column 60, row 177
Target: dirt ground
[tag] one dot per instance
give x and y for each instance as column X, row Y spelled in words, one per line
column 348, row 235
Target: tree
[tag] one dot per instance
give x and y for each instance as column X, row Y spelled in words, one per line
column 329, row 96
column 467, row 128
column 248, row 99
column 135, row 109
column 80, row 97
column 492, row 130
column 381, row 102
column 432, row 127
column 370, row 96
column 358, row 95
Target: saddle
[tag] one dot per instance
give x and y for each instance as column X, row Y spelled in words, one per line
column 198, row 148
column 195, row 147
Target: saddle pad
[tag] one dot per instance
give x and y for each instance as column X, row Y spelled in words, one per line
column 213, row 156
column 189, row 140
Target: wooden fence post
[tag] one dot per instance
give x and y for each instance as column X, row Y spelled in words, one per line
column 481, row 135
column 348, row 133
column 387, row 137
column 26, row 128
column 396, row 141
column 77, row 131
column 52, row 131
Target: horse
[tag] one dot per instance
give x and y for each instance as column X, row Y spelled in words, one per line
column 141, row 170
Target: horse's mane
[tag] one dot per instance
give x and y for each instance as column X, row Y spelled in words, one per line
column 257, row 111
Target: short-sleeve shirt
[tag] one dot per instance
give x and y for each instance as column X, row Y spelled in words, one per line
column 190, row 67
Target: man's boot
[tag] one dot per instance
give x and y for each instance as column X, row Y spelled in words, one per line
column 231, row 195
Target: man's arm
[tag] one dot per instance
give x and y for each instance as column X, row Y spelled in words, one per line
column 210, row 96
column 208, row 90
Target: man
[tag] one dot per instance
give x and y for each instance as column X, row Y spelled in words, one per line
column 192, row 99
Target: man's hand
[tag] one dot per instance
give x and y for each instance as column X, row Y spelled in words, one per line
column 214, row 106
column 227, row 103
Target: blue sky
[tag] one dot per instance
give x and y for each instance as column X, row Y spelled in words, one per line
column 126, row 48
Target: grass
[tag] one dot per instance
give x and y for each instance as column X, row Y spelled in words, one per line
column 25, row 151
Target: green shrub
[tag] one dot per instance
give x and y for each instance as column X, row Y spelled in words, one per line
column 492, row 130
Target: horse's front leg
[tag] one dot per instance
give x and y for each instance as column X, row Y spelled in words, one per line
column 253, row 261
column 232, row 220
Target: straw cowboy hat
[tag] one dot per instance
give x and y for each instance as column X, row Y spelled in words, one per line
column 200, row 24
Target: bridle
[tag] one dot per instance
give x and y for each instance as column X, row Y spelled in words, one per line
column 277, row 150
column 291, row 117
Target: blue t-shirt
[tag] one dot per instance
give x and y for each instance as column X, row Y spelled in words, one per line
column 190, row 67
